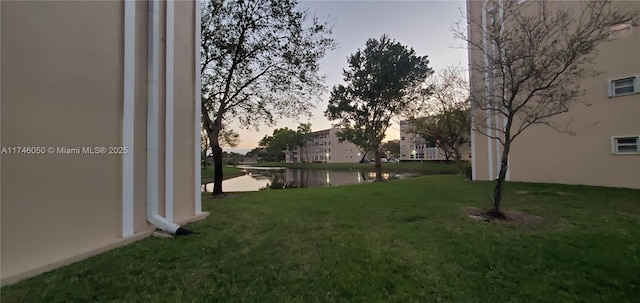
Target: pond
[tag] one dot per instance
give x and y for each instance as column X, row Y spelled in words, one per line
column 261, row 178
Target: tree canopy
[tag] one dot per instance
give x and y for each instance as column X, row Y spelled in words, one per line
column 443, row 118
column 285, row 141
column 379, row 81
column 260, row 61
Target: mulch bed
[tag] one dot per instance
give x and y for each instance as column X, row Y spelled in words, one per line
column 511, row 216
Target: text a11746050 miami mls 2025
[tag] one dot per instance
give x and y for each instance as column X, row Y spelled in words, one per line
column 65, row 150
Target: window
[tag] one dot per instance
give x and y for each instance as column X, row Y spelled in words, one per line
column 624, row 86
column 402, row 138
column 624, row 145
column 621, row 30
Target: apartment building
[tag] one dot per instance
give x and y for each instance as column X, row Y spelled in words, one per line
column 604, row 147
column 100, row 127
column 414, row 147
column 325, row 147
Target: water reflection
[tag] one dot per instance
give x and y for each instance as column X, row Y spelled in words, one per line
column 281, row 178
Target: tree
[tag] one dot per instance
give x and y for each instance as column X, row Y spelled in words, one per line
column 534, row 56
column 446, row 121
column 283, row 142
column 391, row 147
column 260, row 61
column 303, row 135
column 379, row 79
column 226, row 137
column 358, row 138
column 259, row 153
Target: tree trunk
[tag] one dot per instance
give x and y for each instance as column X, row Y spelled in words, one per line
column 458, row 157
column 497, row 193
column 204, row 159
column 217, row 168
column 378, row 167
column 213, row 134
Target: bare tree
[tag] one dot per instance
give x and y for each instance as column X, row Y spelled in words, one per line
column 443, row 116
column 260, row 61
column 534, row 56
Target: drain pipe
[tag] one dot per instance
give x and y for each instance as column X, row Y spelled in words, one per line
column 153, row 216
column 486, row 88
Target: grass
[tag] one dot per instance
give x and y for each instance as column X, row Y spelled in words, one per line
column 398, row 241
column 228, row 172
column 427, row 167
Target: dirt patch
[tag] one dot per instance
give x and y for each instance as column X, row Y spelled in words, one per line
column 511, row 217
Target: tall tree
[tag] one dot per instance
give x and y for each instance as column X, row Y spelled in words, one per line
column 284, row 142
column 444, row 116
column 534, row 56
column 260, row 61
column 379, row 79
column 303, row 135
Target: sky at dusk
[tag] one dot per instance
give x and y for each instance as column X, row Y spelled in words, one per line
column 423, row 25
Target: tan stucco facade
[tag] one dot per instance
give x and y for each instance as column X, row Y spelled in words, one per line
column 326, row 147
column 542, row 154
column 63, row 77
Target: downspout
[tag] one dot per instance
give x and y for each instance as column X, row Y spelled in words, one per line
column 128, row 117
column 473, row 134
column 168, row 212
column 486, row 88
column 153, row 216
column 198, row 113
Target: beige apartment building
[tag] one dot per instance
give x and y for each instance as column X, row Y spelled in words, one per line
column 325, row 147
column 604, row 148
column 414, row 147
column 100, row 123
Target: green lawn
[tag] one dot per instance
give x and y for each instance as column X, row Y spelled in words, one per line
column 427, row 167
column 398, row 241
column 206, row 175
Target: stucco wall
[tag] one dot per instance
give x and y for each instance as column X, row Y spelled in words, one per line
column 542, row 154
column 63, row 86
